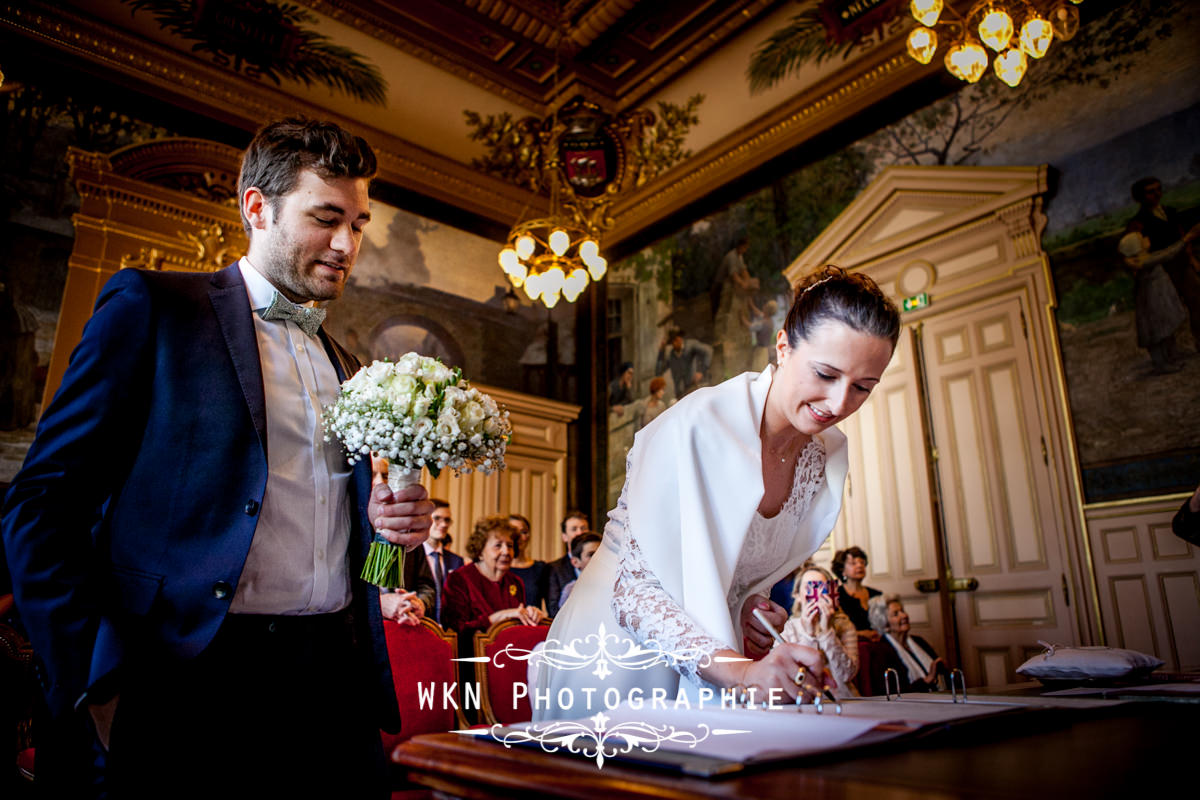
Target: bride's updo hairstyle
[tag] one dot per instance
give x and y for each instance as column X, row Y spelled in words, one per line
column 852, row 298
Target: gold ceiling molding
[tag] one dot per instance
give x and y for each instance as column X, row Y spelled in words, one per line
column 528, row 28
column 834, row 100
column 247, row 104
column 349, row 14
column 598, row 19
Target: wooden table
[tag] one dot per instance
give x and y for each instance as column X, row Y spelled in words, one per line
column 1124, row 750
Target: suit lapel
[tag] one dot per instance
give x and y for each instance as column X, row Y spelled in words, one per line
column 232, row 308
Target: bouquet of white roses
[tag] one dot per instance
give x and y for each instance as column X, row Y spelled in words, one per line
column 417, row 413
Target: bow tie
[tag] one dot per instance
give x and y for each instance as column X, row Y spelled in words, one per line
column 309, row 319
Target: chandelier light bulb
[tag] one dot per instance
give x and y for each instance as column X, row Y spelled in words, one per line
column 517, row 274
column 996, row 29
column 533, row 286
column 1010, row 66
column 574, row 285
column 922, row 44
column 966, row 61
column 926, row 12
column 552, row 280
column 508, row 260
column 1065, row 21
column 559, row 242
column 588, row 249
column 1036, row 35
column 525, row 245
column 597, row 267
column 550, row 298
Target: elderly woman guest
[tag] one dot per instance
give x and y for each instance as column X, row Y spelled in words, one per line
column 917, row 663
column 725, row 493
column 817, row 621
column 850, row 566
column 484, row 592
column 533, row 574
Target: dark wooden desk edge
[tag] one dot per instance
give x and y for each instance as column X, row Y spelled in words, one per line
column 469, row 768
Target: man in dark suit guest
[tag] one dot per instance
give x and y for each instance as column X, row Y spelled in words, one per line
column 184, row 545
column 441, row 561
column 561, row 570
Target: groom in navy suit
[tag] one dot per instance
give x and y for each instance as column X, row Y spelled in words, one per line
column 184, row 545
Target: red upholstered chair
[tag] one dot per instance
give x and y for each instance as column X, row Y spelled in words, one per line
column 500, row 674
column 17, row 692
column 872, row 661
column 421, row 655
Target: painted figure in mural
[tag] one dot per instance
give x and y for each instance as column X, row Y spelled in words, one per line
column 175, row 573
column 655, row 404
column 1186, row 523
column 620, row 389
column 817, row 621
column 1162, row 225
column 732, row 296
column 1157, row 308
column 725, row 493
column 762, row 331
column 18, row 371
column 688, row 361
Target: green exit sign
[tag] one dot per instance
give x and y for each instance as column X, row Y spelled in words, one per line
column 916, row 301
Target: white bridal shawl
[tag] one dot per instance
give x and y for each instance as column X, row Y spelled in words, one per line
column 692, row 486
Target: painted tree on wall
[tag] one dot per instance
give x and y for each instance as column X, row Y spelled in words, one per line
column 960, row 128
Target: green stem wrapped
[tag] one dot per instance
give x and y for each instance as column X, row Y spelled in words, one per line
column 384, row 566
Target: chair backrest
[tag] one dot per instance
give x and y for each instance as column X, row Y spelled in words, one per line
column 499, row 676
column 422, row 664
column 872, row 661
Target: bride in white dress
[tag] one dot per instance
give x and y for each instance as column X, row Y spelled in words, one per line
column 725, row 494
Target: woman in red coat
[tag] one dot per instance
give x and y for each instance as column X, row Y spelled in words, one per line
column 482, row 593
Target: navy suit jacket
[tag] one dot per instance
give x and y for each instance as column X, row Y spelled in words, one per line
column 128, row 526
column 561, row 573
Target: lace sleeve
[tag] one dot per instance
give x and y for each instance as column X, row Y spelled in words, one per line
column 643, row 608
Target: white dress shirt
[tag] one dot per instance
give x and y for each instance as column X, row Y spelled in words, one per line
column 298, row 559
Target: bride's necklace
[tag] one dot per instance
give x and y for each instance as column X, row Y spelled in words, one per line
column 783, row 453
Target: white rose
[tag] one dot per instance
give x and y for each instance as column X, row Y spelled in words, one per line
column 472, row 415
column 447, row 425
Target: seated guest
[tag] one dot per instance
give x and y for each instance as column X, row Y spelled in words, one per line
column 482, row 593
column 583, row 547
column 533, row 574
column 850, row 566
column 561, row 571
column 919, row 666
column 817, row 622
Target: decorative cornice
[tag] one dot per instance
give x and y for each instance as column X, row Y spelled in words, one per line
column 834, row 100
column 194, row 84
column 348, row 14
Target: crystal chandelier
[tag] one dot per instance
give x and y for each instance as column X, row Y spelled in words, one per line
column 552, row 257
column 1015, row 30
column 580, row 158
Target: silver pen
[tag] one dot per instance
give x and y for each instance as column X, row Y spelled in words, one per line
column 758, row 615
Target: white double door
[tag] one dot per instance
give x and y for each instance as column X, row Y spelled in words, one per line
column 950, row 482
